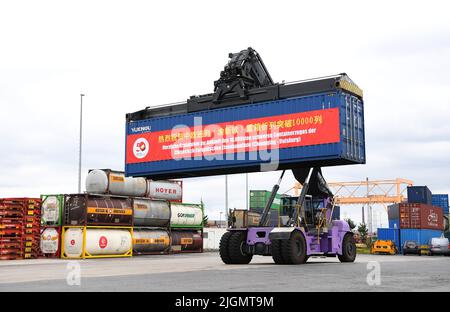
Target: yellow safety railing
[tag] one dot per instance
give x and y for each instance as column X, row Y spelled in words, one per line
column 84, row 253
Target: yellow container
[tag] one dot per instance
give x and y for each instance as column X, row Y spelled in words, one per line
column 83, row 242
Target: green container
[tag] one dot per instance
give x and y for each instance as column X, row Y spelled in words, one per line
column 52, row 208
column 186, row 216
column 258, row 200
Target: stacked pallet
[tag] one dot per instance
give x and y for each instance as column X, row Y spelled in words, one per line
column 19, row 228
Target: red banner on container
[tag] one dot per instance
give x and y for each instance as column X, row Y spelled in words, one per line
column 274, row 132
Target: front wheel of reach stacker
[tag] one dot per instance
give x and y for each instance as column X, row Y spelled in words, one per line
column 348, row 249
column 277, row 252
column 223, row 248
column 293, row 250
column 236, row 248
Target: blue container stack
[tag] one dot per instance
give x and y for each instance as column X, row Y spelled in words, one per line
column 440, row 200
column 422, row 236
column 416, row 194
column 419, row 194
column 390, row 234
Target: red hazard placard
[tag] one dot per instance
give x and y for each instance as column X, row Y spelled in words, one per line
column 274, row 132
column 103, row 242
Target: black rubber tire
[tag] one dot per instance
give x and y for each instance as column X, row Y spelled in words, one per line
column 293, row 250
column 277, row 254
column 223, row 248
column 348, row 249
column 237, row 255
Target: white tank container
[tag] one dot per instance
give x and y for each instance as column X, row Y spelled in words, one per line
column 167, row 190
column 98, row 242
column 49, row 241
column 73, row 242
column 50, row 209
column 149, row 212
column 115, row 183
column 184, row 214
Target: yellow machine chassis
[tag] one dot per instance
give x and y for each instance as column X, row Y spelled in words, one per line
column 383, row 247
column 84, row 253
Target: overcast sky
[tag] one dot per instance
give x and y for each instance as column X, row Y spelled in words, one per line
column 126, row 55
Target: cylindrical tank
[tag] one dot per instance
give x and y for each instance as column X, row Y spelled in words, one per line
column 149, row 241
column 49, row 241
column 98, row 242
column 168, row 190
column 73, row 242
column 51, row 209
column 148, row 212
column 115, row 183
column 186, row 215
column 185, row 241
column 84, row 209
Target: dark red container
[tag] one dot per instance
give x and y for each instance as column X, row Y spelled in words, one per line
column 421, row 216
column 186, row 241
column 404, row 216
column 84, row 209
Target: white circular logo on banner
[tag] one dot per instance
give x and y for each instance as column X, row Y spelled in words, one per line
column 140, row 148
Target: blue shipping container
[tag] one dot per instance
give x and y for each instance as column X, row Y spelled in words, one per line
column 390, row 234
column 422, row 237
column 325, row 129
column 336, row 213
column 394, row 223
column 419, row 195
column 440, row 200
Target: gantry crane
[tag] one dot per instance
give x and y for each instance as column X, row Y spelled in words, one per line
column 366, row 193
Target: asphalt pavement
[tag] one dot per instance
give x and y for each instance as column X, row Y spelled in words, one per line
column 206, row 272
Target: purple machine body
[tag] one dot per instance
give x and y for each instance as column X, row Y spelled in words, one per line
column 329, row 243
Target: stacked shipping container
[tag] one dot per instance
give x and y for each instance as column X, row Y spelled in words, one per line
column 161, row 222
column 258, row 200
column 400, row 236
column 415, row 216
column 51, row 222
column 440, row 200
column 419, row 194
column 416, row 220
column 186, row 224
column 96, row 226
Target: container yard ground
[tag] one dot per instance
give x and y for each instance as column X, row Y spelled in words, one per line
column 206, row 272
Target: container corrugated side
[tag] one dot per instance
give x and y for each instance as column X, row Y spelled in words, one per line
column 422, row 237
column 441, row 200
column 146, row 138
column 389, row 234
column 419, row 194
column 420, row 216
column 258, row 199
column 394, row 223
column 393, row 212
